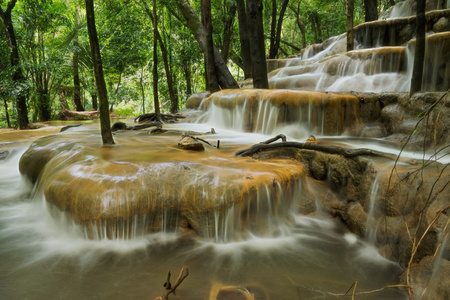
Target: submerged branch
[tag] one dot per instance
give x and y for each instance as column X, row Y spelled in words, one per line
column 169, row 289
column 202, row 140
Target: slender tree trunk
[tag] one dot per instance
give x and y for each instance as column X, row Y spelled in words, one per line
column 105, row 123
column 300, row 23
column 76, row 78
column 419, row 54
column 6, row 112
column 275, row 40
column 226, row 80
column 257, row 45
column 17, row 77
column 141, row 80
column 314, row 27
column 244, row 39
column 94, row 101
column 155, row 66
column 76, row 73
column 350, row 39
column 371, row 10
column 228, row 32
column 210, row 68
column 173, row 96
column 187, row 76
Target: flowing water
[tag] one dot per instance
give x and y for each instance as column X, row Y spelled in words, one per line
column 44, row 255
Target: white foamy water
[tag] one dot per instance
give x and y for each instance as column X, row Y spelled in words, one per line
column 44, row 255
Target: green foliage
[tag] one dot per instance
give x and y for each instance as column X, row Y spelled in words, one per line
column 51, row 32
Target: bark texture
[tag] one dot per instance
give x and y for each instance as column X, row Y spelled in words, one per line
column 18, row 77
column 105, row 123
column 224, row 77
column 257, row 46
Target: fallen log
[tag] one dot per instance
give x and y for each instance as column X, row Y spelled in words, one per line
column 151, row 117
column 122, row 126
column 78, row 115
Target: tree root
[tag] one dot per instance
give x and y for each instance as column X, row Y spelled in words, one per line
column 331, row 149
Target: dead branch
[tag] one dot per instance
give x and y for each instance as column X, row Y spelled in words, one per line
column 169, row 289
column 202, row 140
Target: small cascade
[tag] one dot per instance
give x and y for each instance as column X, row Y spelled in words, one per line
column 384, row 69
column 372, row 220
column 268, row 111
column 370, row 70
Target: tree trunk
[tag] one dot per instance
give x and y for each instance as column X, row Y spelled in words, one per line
column 76, row 74
column 226, row 80
column 6, row 112
column 210, row 68
column 173, row 96
column 94, row 101
column 275, row 40
column 187, row 76
column 105, row 124
column 244, row 39
column 257, row 45
column 155, row 66
column 314, row 27
column 419, row 54
column 371, row 10
column 350, row 39
column 228, row 32
column 300, row 23
column 17, row 77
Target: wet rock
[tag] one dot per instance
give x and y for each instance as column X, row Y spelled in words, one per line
column 430, row 281
column 188, row 143
column 442, row 25
column 194, row 101
column 4, row 154
column 356, row 219
column 250, row 292
column 391, row 116
column 119, row 126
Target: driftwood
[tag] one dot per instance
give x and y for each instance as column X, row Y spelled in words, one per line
column 169, row 289
column 122, row 126
column 331, row 149
column 78, row 115
column 202, row 140
column 69, row 126
column 151, row 117
column 180, row 132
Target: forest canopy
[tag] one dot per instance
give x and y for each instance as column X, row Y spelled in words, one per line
column 54, row 68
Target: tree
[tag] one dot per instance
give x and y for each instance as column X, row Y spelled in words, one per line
column 350, row 39
column 105, row 124
column 224, row 77
column 76, row 73
column 419, row 54
column 17, row 77
column 276, row 26
column 257, row 45
column 155, row 66
column 244, row 39
column 212, row 82
column 371, row 11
